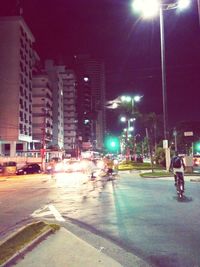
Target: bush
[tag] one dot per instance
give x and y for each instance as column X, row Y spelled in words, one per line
column 159, row 157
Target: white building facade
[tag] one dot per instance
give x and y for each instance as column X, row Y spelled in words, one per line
column 70, row 112
column 42, row 112
column 16, row 50
column 56, row 80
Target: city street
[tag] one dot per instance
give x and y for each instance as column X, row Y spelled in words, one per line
column 143, row 216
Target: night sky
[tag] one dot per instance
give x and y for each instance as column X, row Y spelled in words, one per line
column 130, row 47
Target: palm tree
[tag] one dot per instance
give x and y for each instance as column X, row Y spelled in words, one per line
column 153, row 122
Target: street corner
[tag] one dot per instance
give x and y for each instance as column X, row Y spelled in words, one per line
column 23, row 239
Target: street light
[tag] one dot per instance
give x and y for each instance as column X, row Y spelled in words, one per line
column 130, row 100
column 148, row 9
column 127, row 131
column 117, row 102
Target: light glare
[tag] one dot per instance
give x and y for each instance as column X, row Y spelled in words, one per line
column 112, row 144
column 148, row 8
column 114, row 105
column 123, row 119
column 123, row 98
column 128, row 99
column 137, row 5
column 137, row 98
column 182, row 4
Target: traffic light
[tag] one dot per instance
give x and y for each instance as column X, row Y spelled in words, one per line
column 112, row 144
column 197, row 147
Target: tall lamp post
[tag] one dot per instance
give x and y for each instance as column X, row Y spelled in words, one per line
column 149, row 9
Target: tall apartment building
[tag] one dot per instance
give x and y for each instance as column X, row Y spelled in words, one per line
column 70, row 113
column 42, row 112
column 16, row 50
column 55, row 77
column 86, row 113
column 91, row 76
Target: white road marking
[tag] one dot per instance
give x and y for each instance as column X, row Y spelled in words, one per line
column 56, row 213
column 48, row 210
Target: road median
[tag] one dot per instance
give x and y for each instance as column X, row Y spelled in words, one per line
column 160, row 174
column 23, row 239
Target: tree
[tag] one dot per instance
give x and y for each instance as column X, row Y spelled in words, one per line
column 153, row 122
column 160, row 156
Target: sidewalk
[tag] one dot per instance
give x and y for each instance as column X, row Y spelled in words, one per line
column 64, row 249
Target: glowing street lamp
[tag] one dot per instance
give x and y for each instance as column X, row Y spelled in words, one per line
column 148, row 8
column 123, row 119
column 129, row 99
column 182, row 4
column 117, row 102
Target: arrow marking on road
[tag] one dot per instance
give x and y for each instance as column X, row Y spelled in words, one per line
column 48, row 210
column 56, row 213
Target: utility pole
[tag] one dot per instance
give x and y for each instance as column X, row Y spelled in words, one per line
column 198, row 3
column 175, row 139
column 43, row 150
column 127, row 136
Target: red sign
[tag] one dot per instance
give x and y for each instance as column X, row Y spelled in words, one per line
column 86, row 145
column 42, row 151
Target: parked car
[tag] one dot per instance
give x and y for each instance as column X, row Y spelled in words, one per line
column 9, row 167
column 29, row 169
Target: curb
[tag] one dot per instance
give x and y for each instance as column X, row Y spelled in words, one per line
column 191, row 179
column 195, row 180
column 28, row 246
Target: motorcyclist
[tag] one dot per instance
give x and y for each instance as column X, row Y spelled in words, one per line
column 178, row 167
column 109, row 164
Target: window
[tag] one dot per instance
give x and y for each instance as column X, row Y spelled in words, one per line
column 21, row 103
column 21, row 115
column 19, row 147
column 22, row 42
column 21, row 128
column 21, row 91
column 21, row 78
column 21, row 66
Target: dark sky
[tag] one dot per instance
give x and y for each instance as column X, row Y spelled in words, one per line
column 129, row 45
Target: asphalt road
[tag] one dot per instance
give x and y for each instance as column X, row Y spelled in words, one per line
column 143, row 216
